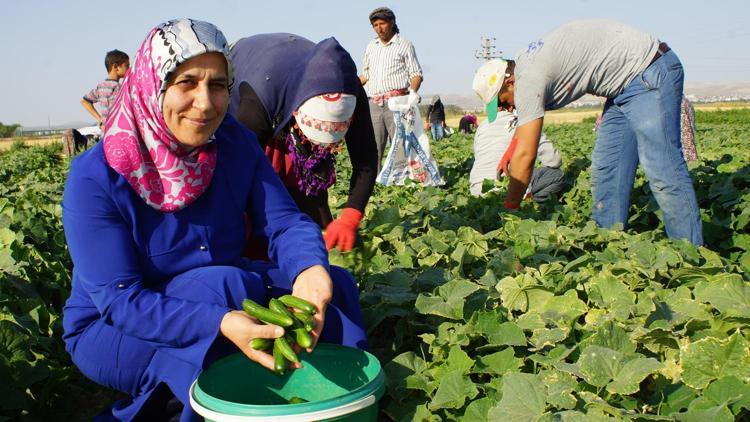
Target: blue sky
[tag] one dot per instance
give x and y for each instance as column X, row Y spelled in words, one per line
column 54, row 50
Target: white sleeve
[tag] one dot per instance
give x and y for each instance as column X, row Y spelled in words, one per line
column 547, row 154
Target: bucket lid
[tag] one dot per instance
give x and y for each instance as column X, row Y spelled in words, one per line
column 336, row 380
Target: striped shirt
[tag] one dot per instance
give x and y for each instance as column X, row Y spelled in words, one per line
column 390, row 66
column 104, row 95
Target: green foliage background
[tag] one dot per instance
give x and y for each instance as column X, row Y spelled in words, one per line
column 6, row 131
column 483, row 314
column 476, row 313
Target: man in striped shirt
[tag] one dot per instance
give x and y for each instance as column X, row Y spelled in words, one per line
column 390, row 69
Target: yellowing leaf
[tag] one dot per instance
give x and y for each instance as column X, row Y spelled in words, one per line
column 710, row 358
column 728, row 293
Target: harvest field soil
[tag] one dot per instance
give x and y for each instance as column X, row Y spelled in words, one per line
column 476, row 313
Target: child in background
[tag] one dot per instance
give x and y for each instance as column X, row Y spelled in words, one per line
column 117, row 63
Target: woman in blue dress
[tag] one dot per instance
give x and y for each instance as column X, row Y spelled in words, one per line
column 153, row 217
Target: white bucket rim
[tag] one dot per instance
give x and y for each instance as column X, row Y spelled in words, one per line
column 342, row 410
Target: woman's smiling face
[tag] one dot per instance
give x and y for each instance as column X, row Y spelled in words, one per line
column 196, row 99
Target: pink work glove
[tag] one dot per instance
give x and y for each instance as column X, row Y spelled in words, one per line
column 343, row 230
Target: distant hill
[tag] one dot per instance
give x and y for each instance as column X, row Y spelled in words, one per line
column 708, row 91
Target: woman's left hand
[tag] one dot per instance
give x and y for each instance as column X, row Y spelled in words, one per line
column 315, row 286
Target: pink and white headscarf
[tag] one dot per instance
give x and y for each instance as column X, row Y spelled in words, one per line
column 137, row 142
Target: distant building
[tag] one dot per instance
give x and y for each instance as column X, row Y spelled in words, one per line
column 30, row 132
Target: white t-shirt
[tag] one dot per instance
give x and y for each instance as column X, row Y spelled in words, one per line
column 491, row 140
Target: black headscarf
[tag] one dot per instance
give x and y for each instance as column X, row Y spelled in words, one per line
column 385, row 14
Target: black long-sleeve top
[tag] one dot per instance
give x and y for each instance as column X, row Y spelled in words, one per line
column 436, row 112
column 275, row 74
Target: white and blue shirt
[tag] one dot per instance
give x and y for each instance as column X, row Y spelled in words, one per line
column 390, row 66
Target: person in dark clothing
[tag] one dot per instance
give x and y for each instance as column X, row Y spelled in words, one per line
column 302, row 99
column 436, row 118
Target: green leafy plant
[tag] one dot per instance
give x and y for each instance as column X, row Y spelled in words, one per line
column 476, row 313
column 484, row 314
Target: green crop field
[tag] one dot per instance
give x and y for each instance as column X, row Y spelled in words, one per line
column 476, row 313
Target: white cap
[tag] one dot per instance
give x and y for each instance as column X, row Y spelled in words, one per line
column 487, row 83
column 325, row 118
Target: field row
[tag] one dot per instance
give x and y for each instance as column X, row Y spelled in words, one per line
column 476, row 313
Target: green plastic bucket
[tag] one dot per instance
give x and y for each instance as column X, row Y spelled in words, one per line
column 339, row 383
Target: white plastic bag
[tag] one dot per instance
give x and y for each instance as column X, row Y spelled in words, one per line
column 409, row 156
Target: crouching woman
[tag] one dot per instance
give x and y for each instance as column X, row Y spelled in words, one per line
column 153, row 217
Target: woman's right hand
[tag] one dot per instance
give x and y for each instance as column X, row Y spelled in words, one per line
column 241, row 329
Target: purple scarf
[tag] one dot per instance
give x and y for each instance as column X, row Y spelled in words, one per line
column 314, row 166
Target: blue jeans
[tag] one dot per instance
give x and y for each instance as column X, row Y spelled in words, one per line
column 436, row 130
column 642, row 124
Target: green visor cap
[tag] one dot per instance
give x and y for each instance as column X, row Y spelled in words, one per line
column 492, row 109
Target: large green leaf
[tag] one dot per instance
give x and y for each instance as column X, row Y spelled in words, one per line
column 729, row 294
column 620, row 373
column 455, row 388
column 729, row 390
column 449, row 302
column 401, row 367
column 524, row 399
column 478, row 410
column 560, row 387
column 457, row 361
column 563, row 310
column 631, row 374
column 526, row 296
column 609, row 293
column 610, row 335
column 543, row 337
column 498, row 363
column 7, row 236
column 382, row 220
column 708, row 359
column 14, row 341
column 505, row 334
column 714, row 414
column 600, row 365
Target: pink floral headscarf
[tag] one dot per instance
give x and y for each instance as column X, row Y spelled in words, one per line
column 137, row 142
